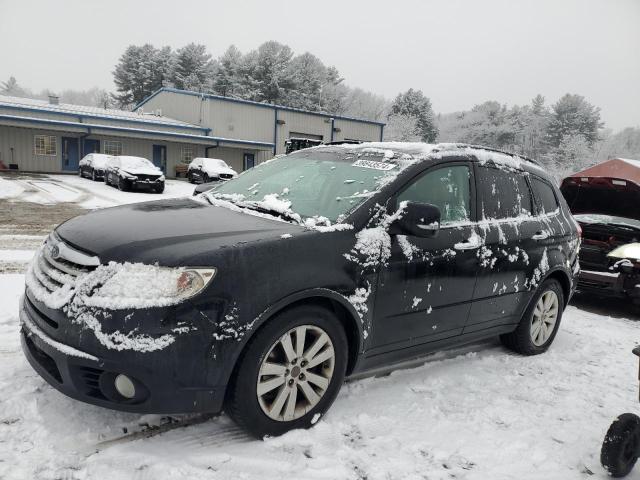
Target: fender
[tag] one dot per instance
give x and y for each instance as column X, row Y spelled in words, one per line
column 275, row 307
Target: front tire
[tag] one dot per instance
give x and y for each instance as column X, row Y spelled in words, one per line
column 205, row 178
column 122, row 185
column 290, row 372
column 539, row 324
column 621, row 445
column 159, row 189
column 93, row 175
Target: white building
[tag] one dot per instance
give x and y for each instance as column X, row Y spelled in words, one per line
column 170, row 128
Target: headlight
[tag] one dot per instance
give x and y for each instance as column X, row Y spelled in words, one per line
column 135, row 285
column 161, row 178
column 630, row 250
column 127, row 175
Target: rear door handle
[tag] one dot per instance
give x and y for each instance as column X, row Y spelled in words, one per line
column 541, row 235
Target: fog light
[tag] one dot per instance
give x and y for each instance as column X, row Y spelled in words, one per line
column 125, row 386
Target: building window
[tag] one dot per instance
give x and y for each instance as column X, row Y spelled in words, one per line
column 45, row 145
column 112, row 147
column 187, row 154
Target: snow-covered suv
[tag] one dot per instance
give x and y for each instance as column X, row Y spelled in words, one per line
column 261, row 295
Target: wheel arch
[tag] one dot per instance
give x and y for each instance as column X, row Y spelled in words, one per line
column 565, row 282
column 326, row 298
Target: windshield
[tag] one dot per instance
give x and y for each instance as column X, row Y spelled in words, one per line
column 608, row 219
column 214, row 162
column 315, row 182
column 135, row 162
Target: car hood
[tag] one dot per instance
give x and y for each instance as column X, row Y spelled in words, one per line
column 142, row 171
column 604, row 196
column 170, row 232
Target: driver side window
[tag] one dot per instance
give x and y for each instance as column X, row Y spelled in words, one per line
column 447, row 188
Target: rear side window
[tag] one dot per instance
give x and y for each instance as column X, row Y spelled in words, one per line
column 503, row 194
column 545, row 196
column 447, row 188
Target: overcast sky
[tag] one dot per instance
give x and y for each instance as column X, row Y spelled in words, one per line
column 459, row 52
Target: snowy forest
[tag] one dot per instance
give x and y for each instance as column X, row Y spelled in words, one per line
column 566, row 134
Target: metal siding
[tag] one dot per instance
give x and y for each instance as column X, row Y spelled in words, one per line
column 356, row 131
column 238, row 121
column 181, row 107
column 301, row 123
column 21, row 140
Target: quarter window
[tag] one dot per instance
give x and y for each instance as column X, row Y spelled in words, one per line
column 503, row 194
column 112, row 147
column 187, row 154
column 545, row 196
column 45, row 145
column 447, row 188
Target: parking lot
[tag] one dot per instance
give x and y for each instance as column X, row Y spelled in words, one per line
column 475, row 413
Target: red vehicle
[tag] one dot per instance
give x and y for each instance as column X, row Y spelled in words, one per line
column 605, row 200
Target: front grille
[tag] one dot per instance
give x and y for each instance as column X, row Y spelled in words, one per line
column 54, row 273
column 148, row 178
column 44, row 360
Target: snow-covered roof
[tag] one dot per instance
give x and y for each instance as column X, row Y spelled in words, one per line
column 30, row 104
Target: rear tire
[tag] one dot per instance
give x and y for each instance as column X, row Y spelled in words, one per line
column 537, row 328
column 621, row 445
column 309, row 400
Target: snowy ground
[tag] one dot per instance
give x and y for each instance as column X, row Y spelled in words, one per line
column 476, row 413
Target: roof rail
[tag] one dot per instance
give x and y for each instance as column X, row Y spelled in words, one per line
column 496, row 150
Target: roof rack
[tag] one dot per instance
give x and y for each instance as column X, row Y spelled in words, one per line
column 497, row 150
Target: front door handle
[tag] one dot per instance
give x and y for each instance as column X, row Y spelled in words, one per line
column 541, row 235
column 473, row 242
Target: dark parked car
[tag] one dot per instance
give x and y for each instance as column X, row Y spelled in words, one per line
column 260, row 296
column 93, row 165
column 605, row 200
column 205, row 187
column 205, row 170
column 134, row 173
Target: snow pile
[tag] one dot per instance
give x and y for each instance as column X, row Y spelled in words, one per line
column 10, row 189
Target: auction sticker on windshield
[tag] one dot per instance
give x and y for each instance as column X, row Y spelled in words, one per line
column 374, row 165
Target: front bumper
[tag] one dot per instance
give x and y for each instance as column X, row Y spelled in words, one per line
column 89, row 376
column 608, row 284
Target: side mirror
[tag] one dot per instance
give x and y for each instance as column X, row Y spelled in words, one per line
column 417, row 219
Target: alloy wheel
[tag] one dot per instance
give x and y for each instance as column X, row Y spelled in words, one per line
column 295, row 373
column 545, row 316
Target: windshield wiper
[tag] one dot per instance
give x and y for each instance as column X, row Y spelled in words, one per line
column 269, row 211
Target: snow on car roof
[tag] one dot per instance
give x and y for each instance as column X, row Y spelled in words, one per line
column 423, row 151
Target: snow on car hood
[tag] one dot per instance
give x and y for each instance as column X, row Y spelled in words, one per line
column 215, row 170
column 142, row 171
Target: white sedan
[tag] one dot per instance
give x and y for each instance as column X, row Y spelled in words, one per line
column 205, row 170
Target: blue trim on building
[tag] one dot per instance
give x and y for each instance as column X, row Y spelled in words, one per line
column 250, row 102
column 156, row 133
column 81, row 116
column 275, row 130
column 333, row 127
column 381, row 133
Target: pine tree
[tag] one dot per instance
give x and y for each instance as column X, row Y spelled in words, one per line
column 413, row 103
column 271, row 72
column 573, row 115
column 136, row 74
column 194, row 69
column 227, row 80
column 11, row 87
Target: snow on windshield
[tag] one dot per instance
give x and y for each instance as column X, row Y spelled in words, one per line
column 319, row 184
